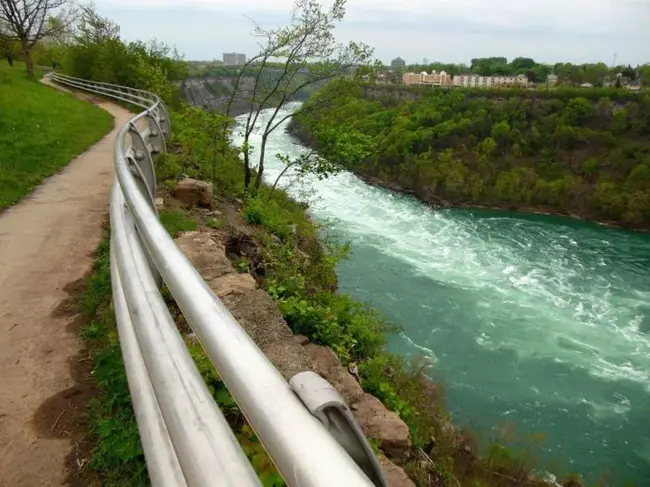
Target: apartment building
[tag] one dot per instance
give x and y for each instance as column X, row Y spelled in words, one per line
column 424, row 78
column 476, row 81
column 234, row 59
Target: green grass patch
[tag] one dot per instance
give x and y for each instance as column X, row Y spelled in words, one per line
column 178, row 221
column 117, row 455
column 41, row 130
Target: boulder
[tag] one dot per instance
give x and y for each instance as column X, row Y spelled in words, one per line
column 192, row 192
column 207, row 256
column 395, row 476
column 384, row 425
column 232, row 284
column 325, row 362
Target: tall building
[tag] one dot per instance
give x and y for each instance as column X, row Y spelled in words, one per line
column 398, row 62
column 234, row 59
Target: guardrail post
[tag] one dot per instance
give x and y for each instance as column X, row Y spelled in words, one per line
column 163, row 120
column 144, row 161
column 156, row 136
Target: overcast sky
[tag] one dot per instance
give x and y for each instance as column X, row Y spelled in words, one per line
column 441, row 30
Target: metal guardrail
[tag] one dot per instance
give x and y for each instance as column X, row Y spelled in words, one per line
column 306, row 428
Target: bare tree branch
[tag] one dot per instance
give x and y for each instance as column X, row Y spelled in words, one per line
column 29, row 21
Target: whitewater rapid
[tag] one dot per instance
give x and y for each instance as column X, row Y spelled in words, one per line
column 534, row 320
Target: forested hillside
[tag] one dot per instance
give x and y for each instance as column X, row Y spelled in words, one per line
column 584, row 153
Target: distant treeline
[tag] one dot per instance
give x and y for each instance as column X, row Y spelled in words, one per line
column 568, row 73
column 563, row 151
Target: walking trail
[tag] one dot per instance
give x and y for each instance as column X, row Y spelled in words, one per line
column 46, row 245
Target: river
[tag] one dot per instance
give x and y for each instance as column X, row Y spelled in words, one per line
column 534, row 321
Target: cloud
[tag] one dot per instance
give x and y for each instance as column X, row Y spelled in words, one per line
column 451, row 30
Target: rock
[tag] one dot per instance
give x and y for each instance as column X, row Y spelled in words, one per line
column 258, row 314
column 192, row 192
column 207, row 256
column 395, row 476
column 160, row 203
column 301, row 340
column 384, row 425
column 232, row 284
column 325, row 363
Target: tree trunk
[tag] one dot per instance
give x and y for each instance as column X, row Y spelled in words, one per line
column 275, row 184
column 260, row 168
column 247, row 172
column 29, row 64
column 10, row 60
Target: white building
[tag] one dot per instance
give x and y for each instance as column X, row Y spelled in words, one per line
column 476, row 81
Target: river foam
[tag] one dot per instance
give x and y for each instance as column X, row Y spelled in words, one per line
column 537, row 319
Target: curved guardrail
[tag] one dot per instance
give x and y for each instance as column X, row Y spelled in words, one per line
column 305, row 427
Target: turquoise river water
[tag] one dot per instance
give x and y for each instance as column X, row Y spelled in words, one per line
column 534, row 321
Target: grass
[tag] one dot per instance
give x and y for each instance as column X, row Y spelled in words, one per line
column 177, row 221
column 41, row 130
column 117, row 455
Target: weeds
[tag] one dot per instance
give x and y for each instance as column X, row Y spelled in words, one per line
column 117, row 455
column 178, row 221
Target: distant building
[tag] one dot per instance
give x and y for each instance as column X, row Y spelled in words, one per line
column 551, row 79
column 476, row 81
column 398, row 62
column 234, row 59
column 424, row 78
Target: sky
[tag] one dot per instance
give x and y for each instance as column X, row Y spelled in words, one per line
column 439, row 30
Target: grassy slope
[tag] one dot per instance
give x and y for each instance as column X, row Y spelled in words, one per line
column 41, row 130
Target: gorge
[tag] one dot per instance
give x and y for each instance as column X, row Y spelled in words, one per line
column 530, row 320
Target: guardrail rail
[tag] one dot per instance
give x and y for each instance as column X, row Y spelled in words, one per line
column 305, row 426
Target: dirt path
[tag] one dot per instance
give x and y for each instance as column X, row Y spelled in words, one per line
column 46, row 242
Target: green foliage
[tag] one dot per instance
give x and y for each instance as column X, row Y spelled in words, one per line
column 564, row 151
column 178, row 221
column 117, row 455
column 200, row 148
column 41, row 130
column 266, row 214
column 215, row 223
column 249, row 442
column 98, row 53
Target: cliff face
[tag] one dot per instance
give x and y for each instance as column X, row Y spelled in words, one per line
column 213, row 92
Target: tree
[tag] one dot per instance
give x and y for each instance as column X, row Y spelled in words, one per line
column 8, row 48
column 308, row 55
column 29, row 21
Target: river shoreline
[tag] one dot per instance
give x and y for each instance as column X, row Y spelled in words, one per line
column 438, row 204
column 435, row 202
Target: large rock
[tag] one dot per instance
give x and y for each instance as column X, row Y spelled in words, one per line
column 232, row 284
column 395, row 476
column 192, row 192
column 384, row 425
column 324, row 362
column 207, row 256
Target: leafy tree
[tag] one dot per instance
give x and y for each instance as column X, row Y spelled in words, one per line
column 28, row 21
column 501, row 132
column 9, row 49
column 309, row 55
column 523, row 63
